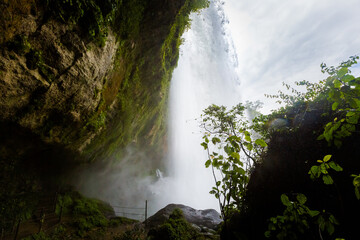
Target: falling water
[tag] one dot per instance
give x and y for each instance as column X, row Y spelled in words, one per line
column 206, row 74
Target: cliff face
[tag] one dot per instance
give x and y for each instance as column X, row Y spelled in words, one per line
column 80, row 80
column 60, row 84
column 54, row 81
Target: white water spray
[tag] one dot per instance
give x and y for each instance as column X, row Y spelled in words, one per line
column 206, row 74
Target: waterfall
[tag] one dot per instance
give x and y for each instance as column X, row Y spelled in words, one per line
column 206, row 74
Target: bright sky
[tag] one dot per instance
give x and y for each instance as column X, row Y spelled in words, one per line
column 285, row 41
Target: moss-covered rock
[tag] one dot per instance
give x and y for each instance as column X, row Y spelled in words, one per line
column 60, row 83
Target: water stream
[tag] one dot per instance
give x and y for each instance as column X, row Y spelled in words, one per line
column 206, row 74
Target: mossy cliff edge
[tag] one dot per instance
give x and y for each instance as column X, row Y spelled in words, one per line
column 91, row 76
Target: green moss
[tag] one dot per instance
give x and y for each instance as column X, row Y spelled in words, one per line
column 35, row 60
column 19, row 44
column 175, row 228
column 88, row 214
column 96, row 121
column 128, row 18
column 93, row 16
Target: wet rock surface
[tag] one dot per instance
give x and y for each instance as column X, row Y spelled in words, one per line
column 205, row 220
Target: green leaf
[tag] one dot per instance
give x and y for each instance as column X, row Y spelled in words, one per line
column 357, row 193
column 301, row 198
column 314, row 171
column 333, row 219
column 347, row 78
column 321, row 137
column 342, row 72
column 204, row 144
column 235, row 155
column 207, row 163
column 323, row 169
column 321, row 222
column 285, row 200
column 248, row 146
column 226, row 166
column 215, row 140
column 353, row 103
column 313, row 213
column 357, row 101
column 356, row 181
column 327, row 179
column 330, row 228
column 247, row 136
column 335, row 106
column 326, row 158
column 337, row 84
column 335, row 166
column 261, row 142
column 352, row 120
column 228, row 150
column 241, row 171
column 350, row 114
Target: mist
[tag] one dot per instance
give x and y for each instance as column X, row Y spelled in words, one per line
column 123, row 183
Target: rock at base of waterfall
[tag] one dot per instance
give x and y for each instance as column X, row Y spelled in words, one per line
column 206, row 220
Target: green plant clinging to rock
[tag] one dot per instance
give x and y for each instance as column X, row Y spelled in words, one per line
column 297, row 219
column 322, row 169
column 342, row 90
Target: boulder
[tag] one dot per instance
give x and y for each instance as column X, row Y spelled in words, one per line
column 204, row 219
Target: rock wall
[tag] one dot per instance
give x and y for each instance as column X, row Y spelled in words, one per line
column 67, row 89
column 62, row 88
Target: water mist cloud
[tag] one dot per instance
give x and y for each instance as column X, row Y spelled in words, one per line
column 125, row 182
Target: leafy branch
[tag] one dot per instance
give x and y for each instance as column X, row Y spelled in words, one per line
column 317, row 171
column 356, row 183
column 297, row 219
column 235, row 151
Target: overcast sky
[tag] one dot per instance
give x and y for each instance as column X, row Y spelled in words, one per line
column 285, row 41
